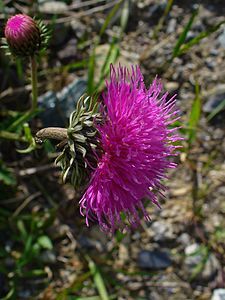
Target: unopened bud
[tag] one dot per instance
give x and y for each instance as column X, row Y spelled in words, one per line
column 23, row 35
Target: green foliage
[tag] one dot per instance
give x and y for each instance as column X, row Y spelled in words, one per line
column 162, row 19
column 98, row 280
column 194, row 115
column 30, row 240
column 27, row 229
column 181, row 39
column 6, row 175
column 195, row 40
column 216, row 110
column 203, row 251
column 113, row 51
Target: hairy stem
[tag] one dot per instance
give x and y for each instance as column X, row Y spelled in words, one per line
column 34, row 82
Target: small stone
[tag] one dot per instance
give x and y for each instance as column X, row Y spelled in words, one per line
column 78, row 27
column 171, row 26
column 58, row 106
column 123, row 254
column 211, row 268
column 221, row 38
column 154, row 260
column 191, row 249
column 68, row 52
column 53, row 7
column 48, row 257
column 184, row 239
column 157, row 8
column 194, row 257
column 171, row 86
column 162, row 231
column 86, row 243
column 213, row 102
column 25, row 294
column 198, row 257
column 218, row 294
column 190, row 36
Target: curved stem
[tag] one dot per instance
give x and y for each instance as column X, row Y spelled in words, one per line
column 34, row 82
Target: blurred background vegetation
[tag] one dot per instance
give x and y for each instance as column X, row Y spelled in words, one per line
column 46, row 250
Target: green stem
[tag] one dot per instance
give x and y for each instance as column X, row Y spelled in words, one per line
column 10, row 136
column 34, row 82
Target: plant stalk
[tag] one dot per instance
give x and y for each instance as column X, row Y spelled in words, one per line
column 34, row 82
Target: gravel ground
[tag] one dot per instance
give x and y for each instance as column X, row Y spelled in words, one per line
column 180, row 254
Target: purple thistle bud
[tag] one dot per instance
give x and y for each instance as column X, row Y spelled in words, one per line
column 136, row 145
column 22, row 35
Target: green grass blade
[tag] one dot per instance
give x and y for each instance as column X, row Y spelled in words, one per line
column 83, row 298
column 183, row 35
column 98, row 280
column 194, row 115
column 19, row 68
column 109, row 17
column 216, row 110
column 199, row 37
column 6, row 175
column 91, row 73
column 21, row 120
column 124, row 17
column 11, row 136
column 75, row 65
column 111, row 57
column 162, row 19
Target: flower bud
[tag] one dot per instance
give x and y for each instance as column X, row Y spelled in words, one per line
column 23, row 35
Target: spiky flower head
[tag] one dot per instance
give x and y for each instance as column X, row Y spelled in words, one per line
column 24, row 35
column 136, row 146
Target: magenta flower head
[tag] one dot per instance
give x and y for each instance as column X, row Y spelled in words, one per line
column 23, row 35
column 136, row 147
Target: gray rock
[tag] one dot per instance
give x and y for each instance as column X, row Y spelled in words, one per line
column 171, row 86
column 221, row 38
column 218, row 294
column 68, row 52
column 58, row 106
column 193, row 256
column 154, row 260
column 25, row 294
column 157, row 8
column 162, row 231
column 184, row 239
column 171, row 26
column 53, row 7
column 86, row 243
column 48, row 257
column 78, row 27
column 199, row 263
column 213, row 102
column 211, row 268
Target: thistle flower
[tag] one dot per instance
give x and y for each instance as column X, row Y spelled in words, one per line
column 136, row 145
column 25, row 36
